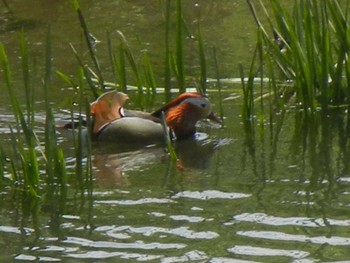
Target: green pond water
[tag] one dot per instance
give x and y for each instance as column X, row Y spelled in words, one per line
column 273, row 191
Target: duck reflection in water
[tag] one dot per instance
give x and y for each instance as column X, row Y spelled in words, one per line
column 112, row 169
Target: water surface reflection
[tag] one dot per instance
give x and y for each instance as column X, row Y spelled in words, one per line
column 113, row 162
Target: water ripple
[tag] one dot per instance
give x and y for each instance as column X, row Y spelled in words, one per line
column 16, row 230
column 98, row 254
column 136, row 202
column 261, row 251
column 210, row 194
column 262, row 218
column 230, row 260
column 50, row 248
column 35, row 259
column 109, row 244
column 25, row 257
column 191, row 219
column 190, row 256
column 274, row 235
column 180, row 231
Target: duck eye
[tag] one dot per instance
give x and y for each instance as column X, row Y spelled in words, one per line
column 203, row 105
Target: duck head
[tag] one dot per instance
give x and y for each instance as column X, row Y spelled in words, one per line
column 182, row 113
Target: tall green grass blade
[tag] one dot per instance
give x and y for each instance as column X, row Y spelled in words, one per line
column 50, row 146
column 78, row 137
column 89, row 42
column 341, row 70
column 13, row 157
column 60, row 165
column 87, row 74
column 32, row 171
column 202, row 60
column 167, row 138
column 150, row 80
column 67, row 79
column 82, row 143
column 19, row 116
column 167, row 62
column 48, row 60
column 260, row 48
column 25, row 142
column 133, row 64
column 111, row 56
column 218, row 82
column 26, row 78
column 180, row 68
column 7, row 75
column 88, row 151
column 27, row 178
column 47, row 78
column 55, row 163
column 118, row 63
column 121, row 67
column 248, row 89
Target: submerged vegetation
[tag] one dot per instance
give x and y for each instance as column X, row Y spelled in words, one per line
column 34, row 164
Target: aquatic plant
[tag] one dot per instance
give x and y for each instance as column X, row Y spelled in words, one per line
column 23, row 147
column 33, row 161
column 309, row 47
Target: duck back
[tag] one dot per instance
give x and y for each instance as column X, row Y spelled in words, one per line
column 132, row 130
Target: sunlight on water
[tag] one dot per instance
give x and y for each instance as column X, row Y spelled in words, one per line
column 187, row 257
column 191, row 219
column 16, row 230
column 210, row 194
column 272, row 235
column 230, row 260
column 260, row 251
column 33, row 259
column 116, row 245
column 149, row 231
column 262, row 218
column 104, row 255
column 135, row 202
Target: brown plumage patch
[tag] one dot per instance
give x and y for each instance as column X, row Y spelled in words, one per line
column 176, row 102
column 107, row 109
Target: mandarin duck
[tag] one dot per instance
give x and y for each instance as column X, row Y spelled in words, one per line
column 112, row 123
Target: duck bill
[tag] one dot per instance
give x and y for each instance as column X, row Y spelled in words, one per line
column 215, row 118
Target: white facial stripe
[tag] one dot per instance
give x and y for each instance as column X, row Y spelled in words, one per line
column 121, row 112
